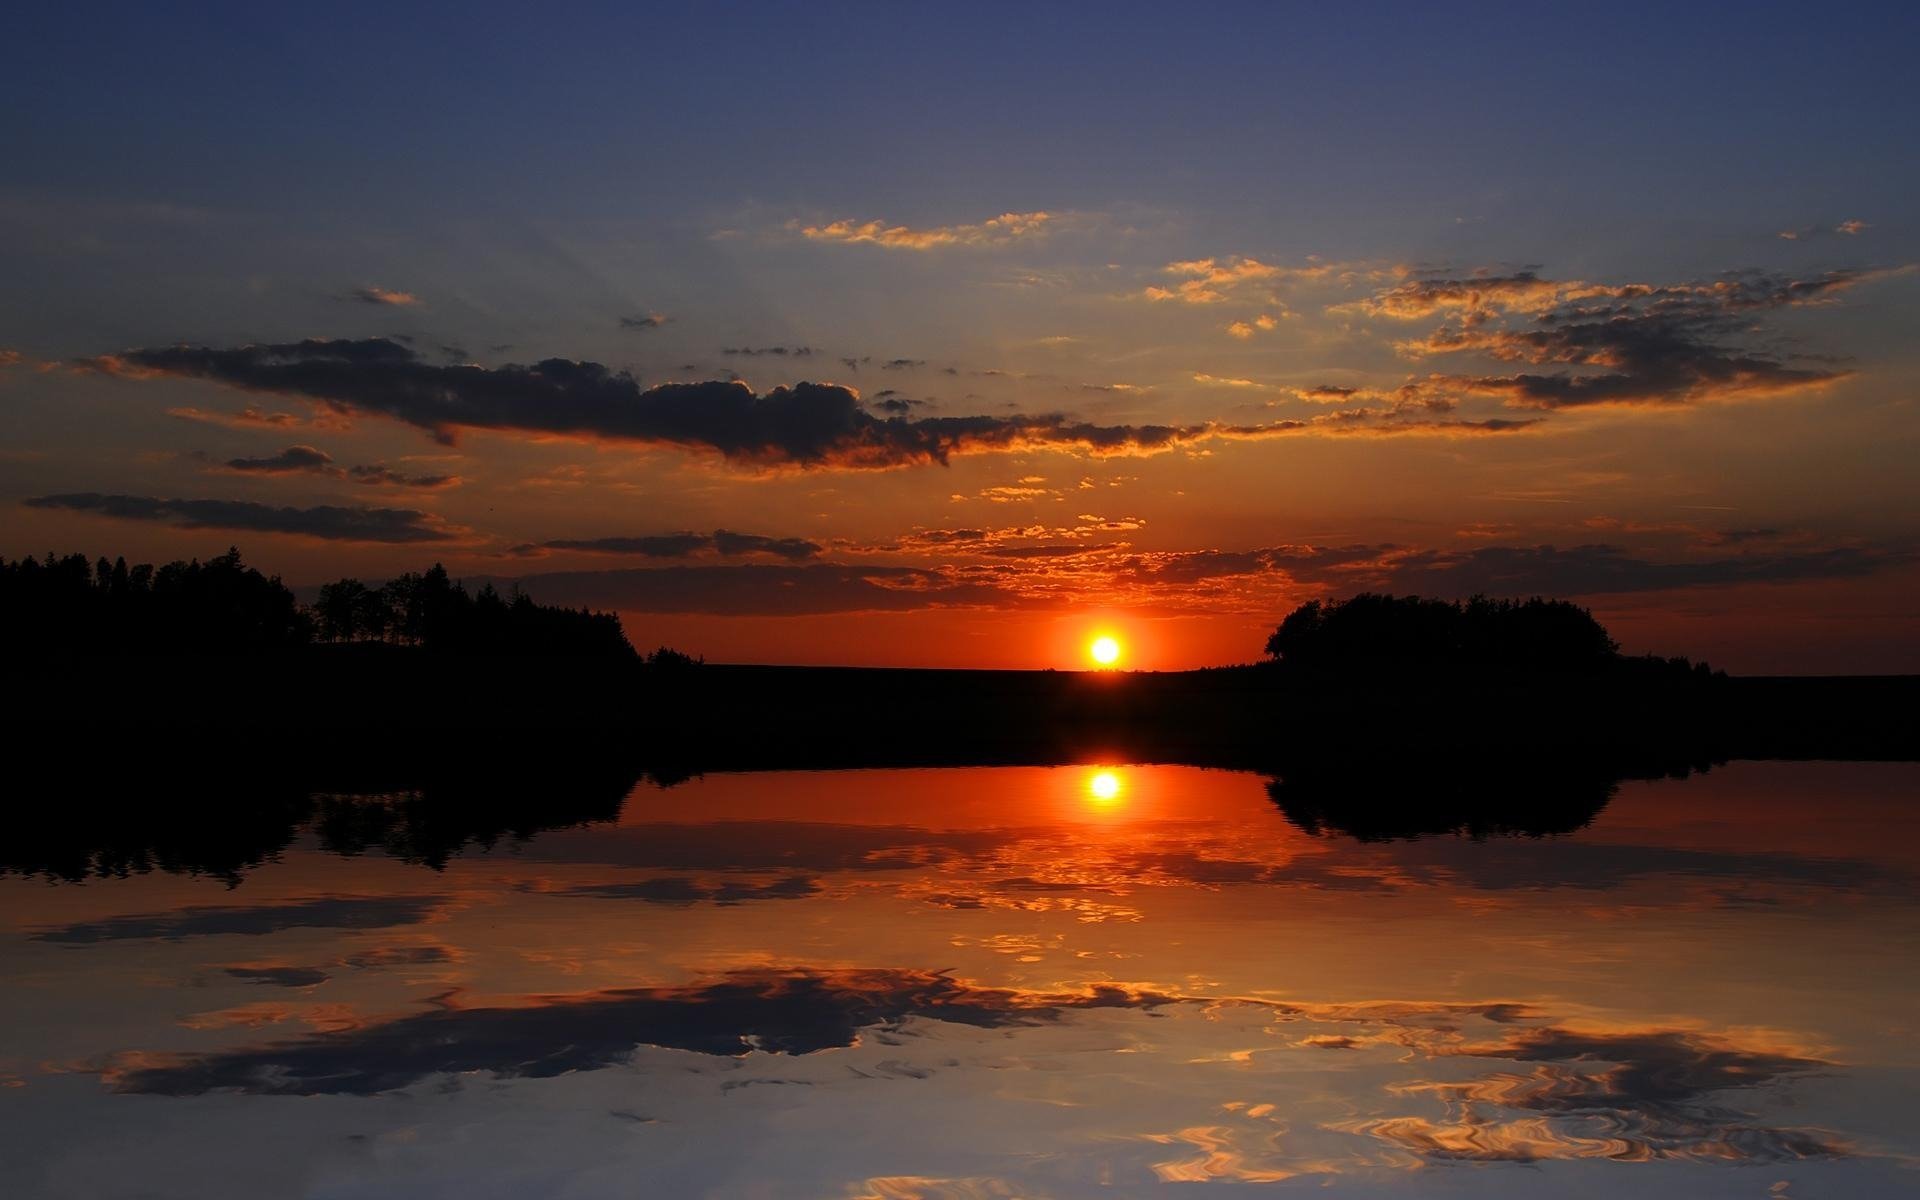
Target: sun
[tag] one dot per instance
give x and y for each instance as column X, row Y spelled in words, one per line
column 1104, row 650
column 1103, row 787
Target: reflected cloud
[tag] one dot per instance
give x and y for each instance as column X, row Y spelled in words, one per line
column 1630, row 1095
column 780, row 1012
column 320, row 912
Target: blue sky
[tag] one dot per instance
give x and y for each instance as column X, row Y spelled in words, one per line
column 232, row 175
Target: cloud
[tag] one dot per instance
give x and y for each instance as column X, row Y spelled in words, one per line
column 682, row 891
column 767, row 590
column 381, row 475
column 996, row 231
column 1631, row 1095
column 774, row 351
column 246, row 418
column 382, row 957
column 1593, row 570
column 723, row 542
column 328, row 521
column 309, row 460
column 1848, row 228
column 807, row 425
column 782, row 1012
column 1633, row 344
column 293, row 458
column 279, row 976
column 319, row 912
column 650, row 320
column 380, row 295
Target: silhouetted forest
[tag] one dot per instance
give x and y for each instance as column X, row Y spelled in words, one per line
column 1378, row 635
column 222, row 606
column 158, row 657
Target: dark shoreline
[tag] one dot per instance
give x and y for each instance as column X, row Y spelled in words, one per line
column 375, row 702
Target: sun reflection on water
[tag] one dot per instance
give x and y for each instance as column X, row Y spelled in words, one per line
column 1106, row 789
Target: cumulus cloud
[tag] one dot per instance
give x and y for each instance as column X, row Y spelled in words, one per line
column 380, row 295
column 330, row 522
column 995, row 231
column 722, row 542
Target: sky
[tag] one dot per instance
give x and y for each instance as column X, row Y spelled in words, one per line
column 895, row 334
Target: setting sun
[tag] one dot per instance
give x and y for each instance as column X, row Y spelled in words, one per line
column 1104, row 650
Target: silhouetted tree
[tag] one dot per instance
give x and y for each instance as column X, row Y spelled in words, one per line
column 66, row 605
column 1373, row 633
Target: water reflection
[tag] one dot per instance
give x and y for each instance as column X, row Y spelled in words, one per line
column 1096, row 980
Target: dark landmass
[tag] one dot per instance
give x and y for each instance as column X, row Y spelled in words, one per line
column 152, row 661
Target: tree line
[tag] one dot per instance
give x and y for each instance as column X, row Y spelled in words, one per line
column 68, row 605
column 1375, row 634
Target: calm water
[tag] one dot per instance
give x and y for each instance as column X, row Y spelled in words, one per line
column 1004, row 982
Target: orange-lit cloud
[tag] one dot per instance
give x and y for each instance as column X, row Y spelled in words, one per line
column 380, row 295
column 999, row 230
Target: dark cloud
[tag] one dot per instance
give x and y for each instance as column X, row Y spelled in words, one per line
column 382, row 957
column 723, row 542
column 650, row 320
column 1601, row 569
column 320, row 912
column 774, row 351
column 289, row 977
column 903, row 364
column 328, row 521
column 381, row 475
column 807, row 424
column 293, row 458
column 1585, row 570
column 782, row 1012
column 816, row 847
column 682, row 890
column 766, row 590
column 309, row 460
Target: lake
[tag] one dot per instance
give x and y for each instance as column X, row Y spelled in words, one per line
column 1101, row 980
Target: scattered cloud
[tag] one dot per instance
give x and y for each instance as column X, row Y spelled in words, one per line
column 768, row 351
column 1633, row 344
column 1848, row 228
column 380, row 295
column 652, row 320
column 722, row 542
column 328, row 522
column 996, row 231
column 768, row 590
column 309, row 460
column 293, row 458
